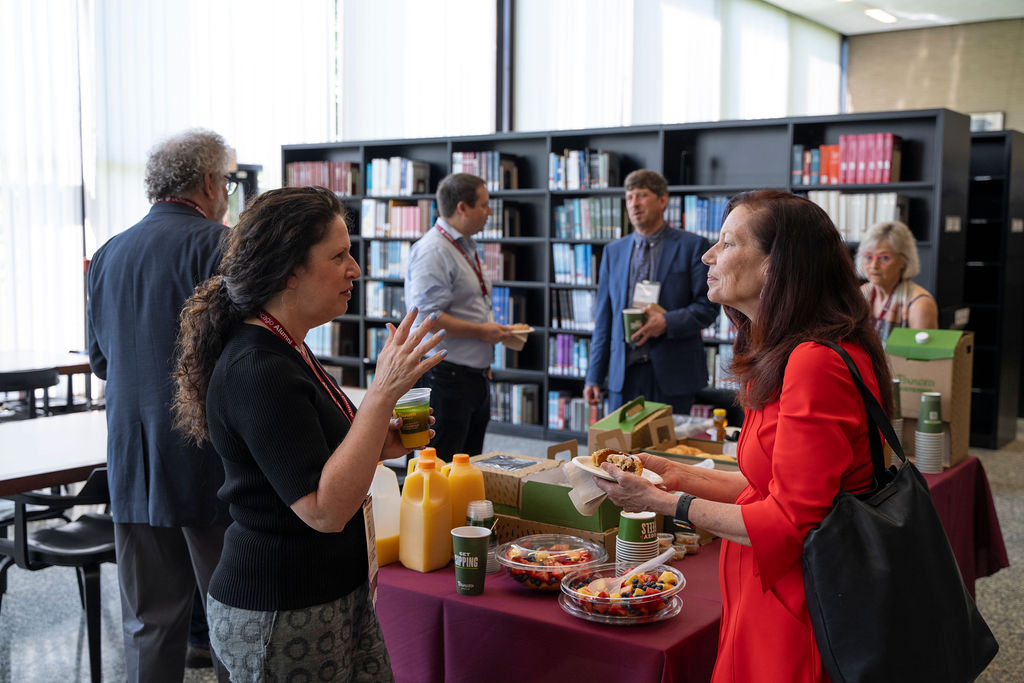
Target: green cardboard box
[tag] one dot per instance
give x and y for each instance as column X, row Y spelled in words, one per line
column 545, row 498
column 503, row 477
column 636, row 426
column 942, row 361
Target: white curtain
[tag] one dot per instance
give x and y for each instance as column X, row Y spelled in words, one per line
column 417, row 68
column 259, row 72
column 41, row 281
column 595, row 63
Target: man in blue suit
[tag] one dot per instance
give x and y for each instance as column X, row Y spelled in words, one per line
column 168, row 522
column 666, row 361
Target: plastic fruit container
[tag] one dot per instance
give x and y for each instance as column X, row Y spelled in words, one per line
column 646, row 595
column 541, row 561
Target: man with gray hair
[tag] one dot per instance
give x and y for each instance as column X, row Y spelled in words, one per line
column 168, row 523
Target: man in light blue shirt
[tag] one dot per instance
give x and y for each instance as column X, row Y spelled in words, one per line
column 445, row 276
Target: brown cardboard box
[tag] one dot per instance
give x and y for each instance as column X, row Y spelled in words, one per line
column 944, row 364
column 504, row 474
column 636, row 426
column 508, row 528
column 712, row 448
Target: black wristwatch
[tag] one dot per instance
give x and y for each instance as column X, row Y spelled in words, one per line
column 682, row 515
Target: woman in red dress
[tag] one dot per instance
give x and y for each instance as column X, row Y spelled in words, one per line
column 787, row 282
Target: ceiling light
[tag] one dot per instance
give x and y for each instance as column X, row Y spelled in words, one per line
column 880, row 15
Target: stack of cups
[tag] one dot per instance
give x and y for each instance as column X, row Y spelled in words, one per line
column 637, row 540
column 481, row 513
column 929, row 439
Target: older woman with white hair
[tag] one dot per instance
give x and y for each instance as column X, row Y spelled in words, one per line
column 887, row 259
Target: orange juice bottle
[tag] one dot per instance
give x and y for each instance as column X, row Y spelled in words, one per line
column 387, row 507
column 466, row 483
column 425, row 540
column 428, row 453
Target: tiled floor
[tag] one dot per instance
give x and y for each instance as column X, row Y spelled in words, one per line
column 42, row 626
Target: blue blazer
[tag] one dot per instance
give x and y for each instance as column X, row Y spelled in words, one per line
column 678, row 355
column 138, row 282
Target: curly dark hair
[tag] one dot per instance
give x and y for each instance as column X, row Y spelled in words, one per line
column 176, row 166
column 811, row 293
column 272, row 238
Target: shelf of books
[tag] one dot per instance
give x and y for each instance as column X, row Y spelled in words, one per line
column 557, row 200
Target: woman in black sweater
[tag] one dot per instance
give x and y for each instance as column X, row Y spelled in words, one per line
column 290, row 594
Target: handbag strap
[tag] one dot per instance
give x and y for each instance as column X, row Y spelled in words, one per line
column 876, row 418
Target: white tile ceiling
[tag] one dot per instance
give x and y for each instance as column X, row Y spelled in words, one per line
column 847, row 16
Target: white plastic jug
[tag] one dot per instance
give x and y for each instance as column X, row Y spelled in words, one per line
column 387, row 507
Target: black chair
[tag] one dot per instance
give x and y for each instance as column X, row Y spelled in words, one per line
column 84, row 544
column 28, row 381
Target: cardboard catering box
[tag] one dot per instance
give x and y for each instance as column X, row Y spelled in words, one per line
column 509, row 527
column 636, row 426
column 712, row 450
column 545, row 498
column 942, row 361
column 504, row 474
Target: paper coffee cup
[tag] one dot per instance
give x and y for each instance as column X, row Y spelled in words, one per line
column 637, row 527
column 469, row 547
column 632, row 320
column 929, row 418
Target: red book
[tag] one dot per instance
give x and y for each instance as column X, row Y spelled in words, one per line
column 844, row 159
column 859, row 162
column 834, row 160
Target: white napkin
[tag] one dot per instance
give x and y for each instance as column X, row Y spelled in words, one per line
column 584, row 493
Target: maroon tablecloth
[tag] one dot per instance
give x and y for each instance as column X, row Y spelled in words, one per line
column 964, row 502
column 434, row 634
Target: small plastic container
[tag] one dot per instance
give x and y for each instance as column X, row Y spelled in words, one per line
column 649, row 597
column 541, row 561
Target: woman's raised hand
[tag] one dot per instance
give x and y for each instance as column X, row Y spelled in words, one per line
column 403, row 359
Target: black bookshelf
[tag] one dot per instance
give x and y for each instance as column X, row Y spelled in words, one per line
column 993, row 281
column 710, row 160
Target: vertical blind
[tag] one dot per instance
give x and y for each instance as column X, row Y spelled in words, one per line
column 595, row 63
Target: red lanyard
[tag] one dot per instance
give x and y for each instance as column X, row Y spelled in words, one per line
column 885, row 309
column 184, row 202
column 321, row 374
column 474, row 265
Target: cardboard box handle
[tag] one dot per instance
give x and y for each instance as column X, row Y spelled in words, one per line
column 625, row 415
column 663, row 429
column 610, row 439
column 571, row 447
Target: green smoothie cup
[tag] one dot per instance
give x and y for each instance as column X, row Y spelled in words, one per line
column 414, row 409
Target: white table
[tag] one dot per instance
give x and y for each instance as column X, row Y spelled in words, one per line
column 51, row 451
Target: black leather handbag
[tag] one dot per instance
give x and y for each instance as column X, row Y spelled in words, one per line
column 884, row 592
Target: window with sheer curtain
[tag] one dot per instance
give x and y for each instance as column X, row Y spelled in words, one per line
column 594, row 63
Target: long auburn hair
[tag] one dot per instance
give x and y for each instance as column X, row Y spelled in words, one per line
column 811, row 293
column 273, row 237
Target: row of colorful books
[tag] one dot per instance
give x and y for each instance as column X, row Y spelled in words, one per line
column 498, row 264
column 573, row 413
column 722, row 328
column 515, row 403
column 572, row 309
column 504, row 359
column 387, row 258
column 574, row 264
column 854, row 214
column 339, row 176
column 568, row 355
column 508, row 308
column 396, row 218
column 858, row 159
column 499, row 171
column 325, row 340
column 375, row 338
column 397, row 176
column 719, row 358
column 504, row 221
column 591, row 218
column 383, row 300
column 703, row 216
column 582, row 169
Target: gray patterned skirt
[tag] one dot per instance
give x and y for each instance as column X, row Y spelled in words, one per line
column 335, row 641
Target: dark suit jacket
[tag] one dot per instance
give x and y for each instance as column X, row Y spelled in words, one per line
column 678, row 355
column 138, row 282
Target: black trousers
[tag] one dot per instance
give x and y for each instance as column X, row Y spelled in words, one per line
column 461, row 399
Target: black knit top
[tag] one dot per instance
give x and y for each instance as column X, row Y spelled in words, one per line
column 275, row 426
